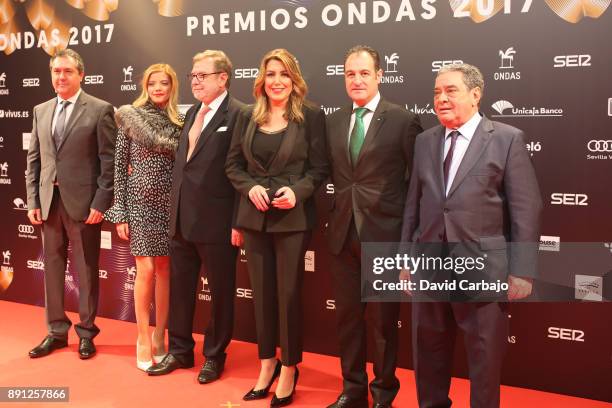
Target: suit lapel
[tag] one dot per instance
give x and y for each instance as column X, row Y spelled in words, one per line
column 247, row 145
column 80, row 106
column 479, row 142
column 437, row 158
column 47, row 123
column 184, row 141
column 377, row 120
column 284, row 151
column 343, row 137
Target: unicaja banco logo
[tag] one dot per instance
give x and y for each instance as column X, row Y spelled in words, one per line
column 392, row 61
column 501, row 106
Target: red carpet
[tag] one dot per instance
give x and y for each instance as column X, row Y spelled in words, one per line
column 111, row 379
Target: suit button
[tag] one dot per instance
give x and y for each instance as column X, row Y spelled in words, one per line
column 446, row 210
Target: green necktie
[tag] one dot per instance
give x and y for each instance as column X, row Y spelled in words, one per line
column 357, row 135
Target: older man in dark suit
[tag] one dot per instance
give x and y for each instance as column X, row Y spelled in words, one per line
column 201, row 210
column 70, row 184
column 473, row 185
column 370, row 143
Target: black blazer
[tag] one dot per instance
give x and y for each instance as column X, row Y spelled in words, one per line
column 202, row 198
column 300, row 163
column 375, row 190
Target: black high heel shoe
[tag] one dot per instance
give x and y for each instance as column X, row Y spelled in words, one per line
column 263, row 393
column 284, row 401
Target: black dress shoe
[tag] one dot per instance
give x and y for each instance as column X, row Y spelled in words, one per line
column 211, row 370
column 284, row 401
column 86, row 349
column 49, row 344
column 167, row 365
column 381, row 405
column 263, row 393
column 344, row 401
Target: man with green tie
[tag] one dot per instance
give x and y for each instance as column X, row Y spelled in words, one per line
column 371, row 145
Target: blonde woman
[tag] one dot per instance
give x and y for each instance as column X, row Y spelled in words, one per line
column 148, row 136
column 276, row 161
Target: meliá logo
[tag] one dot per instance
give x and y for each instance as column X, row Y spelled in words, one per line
column 588, row 288
column 502, row 107
column 507, row 66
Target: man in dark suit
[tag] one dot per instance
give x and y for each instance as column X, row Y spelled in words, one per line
column 370, row 144
column 70, row 184
column 202, row 203
column 473, row 184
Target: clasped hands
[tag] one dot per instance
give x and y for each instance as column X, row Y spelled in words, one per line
column 284, row 198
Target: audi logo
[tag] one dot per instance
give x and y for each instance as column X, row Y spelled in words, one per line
column 26, row 229
column 600, row 146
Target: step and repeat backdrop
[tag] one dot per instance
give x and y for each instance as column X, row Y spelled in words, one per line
column 547, row 67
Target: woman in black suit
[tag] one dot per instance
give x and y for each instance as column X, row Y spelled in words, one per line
column 276, row 161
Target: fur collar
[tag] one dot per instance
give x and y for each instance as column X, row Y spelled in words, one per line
column 149, row 126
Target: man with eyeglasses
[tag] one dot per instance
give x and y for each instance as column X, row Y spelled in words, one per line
column 202, row 203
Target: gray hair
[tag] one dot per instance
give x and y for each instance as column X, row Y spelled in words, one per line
column 472, row 77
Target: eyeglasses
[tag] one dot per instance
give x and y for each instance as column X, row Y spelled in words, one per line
column 200, row 76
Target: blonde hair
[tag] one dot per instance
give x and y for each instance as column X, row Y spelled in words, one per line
column 171, row 107
column 293, row 110
column 220, row 60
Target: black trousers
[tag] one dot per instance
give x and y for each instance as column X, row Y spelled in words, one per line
column 351, row 319
column 219, row 262
column 276, row 269
column 485, row 330
column 59, row 230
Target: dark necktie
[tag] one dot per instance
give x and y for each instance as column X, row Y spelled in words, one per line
column 357, row 135
column 60, row 124
column 449, row 156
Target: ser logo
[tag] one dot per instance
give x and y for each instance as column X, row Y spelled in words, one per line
column 572, row 61
column 330, row 304
column 37, row 265
column 569, row 199
column 103, row 274
column 246, row 73
column 334, row 70
column 244, row 293
column 30, row 82
column 565, row 334
column 94, row 79
column 438, row 65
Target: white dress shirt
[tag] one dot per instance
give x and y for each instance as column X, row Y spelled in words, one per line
column 214, row 106
column 367, row 117
column 466, row 131
column 69, row 109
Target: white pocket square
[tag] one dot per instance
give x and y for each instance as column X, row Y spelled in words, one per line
column 222, row 129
